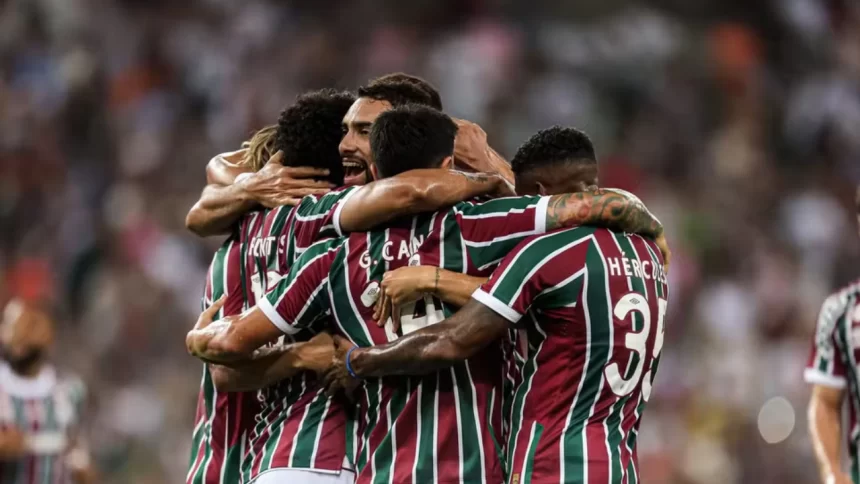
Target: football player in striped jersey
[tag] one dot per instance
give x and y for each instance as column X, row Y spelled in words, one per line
column 832, row 370
column 452, row 410
column 40, row 410
column 568, row 329
column 297, row 430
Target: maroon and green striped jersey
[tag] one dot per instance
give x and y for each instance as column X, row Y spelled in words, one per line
column 444, row 427
column 47, row 410
column 297, row 426
column 833, row 361
column 223, row 418
column 591, row 304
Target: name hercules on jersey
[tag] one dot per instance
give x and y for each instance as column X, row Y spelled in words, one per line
column 622, row 266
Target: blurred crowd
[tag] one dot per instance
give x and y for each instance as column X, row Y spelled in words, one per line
column 736, row 122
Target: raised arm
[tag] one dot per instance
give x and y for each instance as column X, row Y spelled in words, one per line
column 471, row 151
column 825, row 421
column 232, row 190
column 424, row 351
column 222, row 202
column 414, row 192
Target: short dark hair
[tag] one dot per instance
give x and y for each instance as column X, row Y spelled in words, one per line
column 310, row 131
column 397, row 93
column 554, row 145
column 410, row 137
column 402, row 77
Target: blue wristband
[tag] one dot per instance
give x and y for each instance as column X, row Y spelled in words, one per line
column 348, row 365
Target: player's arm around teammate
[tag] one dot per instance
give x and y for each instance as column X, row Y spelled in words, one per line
column 235, row 186
column 413, row 192
column 234, row 345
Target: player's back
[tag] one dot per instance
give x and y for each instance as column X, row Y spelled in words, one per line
column 443, row 427
column 297, row 425
column 223, row 419
column 592, row 303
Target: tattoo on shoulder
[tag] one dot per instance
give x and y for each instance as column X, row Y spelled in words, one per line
column 613, row 209
column 476, row 177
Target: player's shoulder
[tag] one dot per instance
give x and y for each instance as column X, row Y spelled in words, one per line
column 501, row 205
column 322, row 247
column 838, row 299
column 312, row 204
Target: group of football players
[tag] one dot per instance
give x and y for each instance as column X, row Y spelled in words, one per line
column 396, row 303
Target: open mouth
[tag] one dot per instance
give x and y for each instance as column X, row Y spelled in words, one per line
column 354, row 171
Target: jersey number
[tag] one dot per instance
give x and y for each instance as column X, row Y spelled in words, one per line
column 636, row 342
column 421, row 313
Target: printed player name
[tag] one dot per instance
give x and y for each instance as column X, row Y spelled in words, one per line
column 622, row 266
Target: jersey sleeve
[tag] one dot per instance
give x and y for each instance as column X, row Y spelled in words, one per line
column 490, row 230
column 530, row 272
column 300, row 299
column 318, row 218
column 825, row 365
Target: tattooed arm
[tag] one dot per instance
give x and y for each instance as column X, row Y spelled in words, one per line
column 613, row 209
column 414, row 192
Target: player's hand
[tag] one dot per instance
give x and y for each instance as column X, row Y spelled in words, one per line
column 664, row 248
column 12, row 443
column 398, row 287
column 316, row 355
column 195, row 341
column 505, row 188
column 208, row 314
column 469, row 146
column 337, row 378
column 276, row 185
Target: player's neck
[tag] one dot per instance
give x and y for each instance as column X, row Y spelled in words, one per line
column 29, row 369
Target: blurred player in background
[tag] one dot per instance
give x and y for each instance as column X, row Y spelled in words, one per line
column 40, row 411
column 832, row 369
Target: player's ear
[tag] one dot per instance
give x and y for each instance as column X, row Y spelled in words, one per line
column 374, row 173
column 541, row 189
column 447, row 163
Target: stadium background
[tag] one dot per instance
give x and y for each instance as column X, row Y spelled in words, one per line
column 737, row 122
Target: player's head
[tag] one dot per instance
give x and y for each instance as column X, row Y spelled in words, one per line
column 309, row 131
column 260, row 147
column 401, row 77
column 410, row 137
column 26, row 334
column 555, row 160
column 373, row 99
